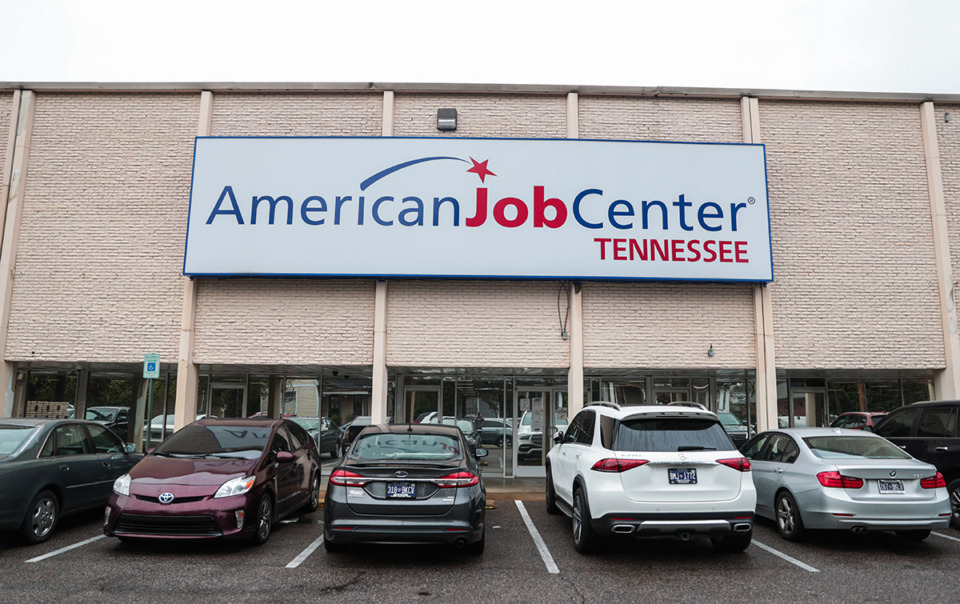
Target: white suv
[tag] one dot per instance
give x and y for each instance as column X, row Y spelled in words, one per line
column 650, row 471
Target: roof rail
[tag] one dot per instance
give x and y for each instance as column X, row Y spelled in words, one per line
column 603, row 404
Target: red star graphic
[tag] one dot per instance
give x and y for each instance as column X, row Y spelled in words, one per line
column 480, row 169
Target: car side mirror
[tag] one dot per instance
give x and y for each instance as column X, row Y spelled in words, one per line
column 129, row 448
column 285, row 456
column 558, row 436
column 481, row 452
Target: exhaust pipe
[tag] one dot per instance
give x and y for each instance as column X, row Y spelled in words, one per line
column 684, row 536
column 460, row 543
column 623, row 529
column 742, row 527
column 859, row 530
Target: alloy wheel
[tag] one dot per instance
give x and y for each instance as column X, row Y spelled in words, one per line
column 786, row 516
column 43, row 518
column 264, row 519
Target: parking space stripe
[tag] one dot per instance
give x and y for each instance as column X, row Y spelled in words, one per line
column 306, row 553
column 65, row 549
column 538, row 541
column 805, row 567
column 945, row 536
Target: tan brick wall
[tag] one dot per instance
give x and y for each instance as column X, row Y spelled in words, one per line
column 948, row 137
column 474, row 324
column 665, row 325
column 285, row 321
column 513, row 116
column 297, row 114
column 855, row 278
column 661, row 119
column 97, row 276
column 668, row 325
column 6, row 112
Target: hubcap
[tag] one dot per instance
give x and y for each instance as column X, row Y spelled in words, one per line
column 315, row 492
column 264, row 524
column 785, row 516
column 43, row 517
column 577, row 520
column 955, row 503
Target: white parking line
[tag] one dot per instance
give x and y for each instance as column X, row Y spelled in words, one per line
column 945, row 536
column 306, row 553
column 785, row 557
column 541, row 546
column 66, row 549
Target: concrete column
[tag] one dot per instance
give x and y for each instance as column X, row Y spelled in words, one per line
column 188, row 375
column 378, row 395
column 762, row 305
column 575, row 321
column 946, row 383
column 14, row 175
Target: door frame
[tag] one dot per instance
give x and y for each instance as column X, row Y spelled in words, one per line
column 408, row 404
column 227, row 386
column 549, row 411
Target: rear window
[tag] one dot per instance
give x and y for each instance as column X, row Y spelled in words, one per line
column 12, row 436
column 853, row 447
column 245, row 442
column 377, row 446
column 671, row 434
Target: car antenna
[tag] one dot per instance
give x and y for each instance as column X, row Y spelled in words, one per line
column 409, row 427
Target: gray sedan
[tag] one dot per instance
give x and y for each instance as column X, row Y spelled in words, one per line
column 831, row 478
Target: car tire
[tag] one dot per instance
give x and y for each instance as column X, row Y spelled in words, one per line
column 789, row 522
column 332, row 547
column 314, row 502
column 954, row 491
column 264, row 520
column 499, row 441
column 732, row 543
column 41, row 519
column 915, row 535
column 584, row 539
column 550, row 498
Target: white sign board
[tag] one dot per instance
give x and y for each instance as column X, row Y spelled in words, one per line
column 151, row 366
column 478, row 208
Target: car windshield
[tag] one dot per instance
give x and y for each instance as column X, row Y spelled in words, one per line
column 852, row 447
column 729, row 420
column 466, row 426
column 409, row 446
column 238, row 441
column 100, row 414
column 307, row 423
column 671, row 434
column 12, row 436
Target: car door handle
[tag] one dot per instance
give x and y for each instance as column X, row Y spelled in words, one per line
column 64, row 467
column 779, row 470
column 943, row 448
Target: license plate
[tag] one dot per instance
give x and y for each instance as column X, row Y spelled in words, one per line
column 683, row 476
column 400, row 490
column 891, row 486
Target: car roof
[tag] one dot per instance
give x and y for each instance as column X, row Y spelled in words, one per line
column 806, row 432
column 32, row 421
column 413, row 428
column 239, row 421
column 947, row 403
column 612, row 410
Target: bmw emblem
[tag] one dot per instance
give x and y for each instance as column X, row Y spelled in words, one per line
column 893, row 473
column 401, row 474
column 166, row 497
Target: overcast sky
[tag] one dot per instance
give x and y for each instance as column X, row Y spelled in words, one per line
column 822, row 45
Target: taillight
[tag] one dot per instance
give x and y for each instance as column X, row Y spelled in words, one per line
column 617, row 465
column 933, row 482
column 836, row 480
column 741, row 464
column 459, row 479
column 343, row 478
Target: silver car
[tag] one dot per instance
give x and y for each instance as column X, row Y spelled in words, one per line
column 832, row 478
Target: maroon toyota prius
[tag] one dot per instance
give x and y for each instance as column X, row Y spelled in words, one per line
column 217, row 478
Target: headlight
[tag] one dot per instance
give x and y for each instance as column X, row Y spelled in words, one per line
column 121, row 486
column 236, row 486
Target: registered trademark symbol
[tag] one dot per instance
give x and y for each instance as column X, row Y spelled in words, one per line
column 751, row 200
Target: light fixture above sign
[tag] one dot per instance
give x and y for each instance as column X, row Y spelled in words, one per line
column 446, row 119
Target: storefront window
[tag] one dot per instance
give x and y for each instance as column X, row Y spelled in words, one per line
column 50, row 394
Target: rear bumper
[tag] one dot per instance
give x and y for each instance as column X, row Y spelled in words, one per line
column 673, row 525
column 834, row 509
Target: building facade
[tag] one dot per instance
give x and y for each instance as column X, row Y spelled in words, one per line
column 864, row 221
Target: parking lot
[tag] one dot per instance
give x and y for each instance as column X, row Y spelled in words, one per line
column 529, row 557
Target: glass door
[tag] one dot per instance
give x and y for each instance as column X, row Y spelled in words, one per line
column 424, row 405
column 228, row 400
column 807, row 409
column 665, row 396
column 540, row 411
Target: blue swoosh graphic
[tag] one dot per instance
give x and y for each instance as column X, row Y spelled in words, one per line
column 406, row 164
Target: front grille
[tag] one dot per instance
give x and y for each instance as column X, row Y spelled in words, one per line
column 192, row 526
column 537, row 439
column 174, row 502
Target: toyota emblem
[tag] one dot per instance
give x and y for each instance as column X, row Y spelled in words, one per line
column 166, row 497
column 401, row 474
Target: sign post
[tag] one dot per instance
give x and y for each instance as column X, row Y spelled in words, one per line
column 151, row 371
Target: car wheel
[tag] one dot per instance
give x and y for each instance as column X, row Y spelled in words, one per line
column 41, row 519
column 914, row 535
column 314, row 502
column 264, row 520
column 551, row 495
column 789, row 522
column 583, row 536
column 954, row 490
column 499, row 441
column 735, row 542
